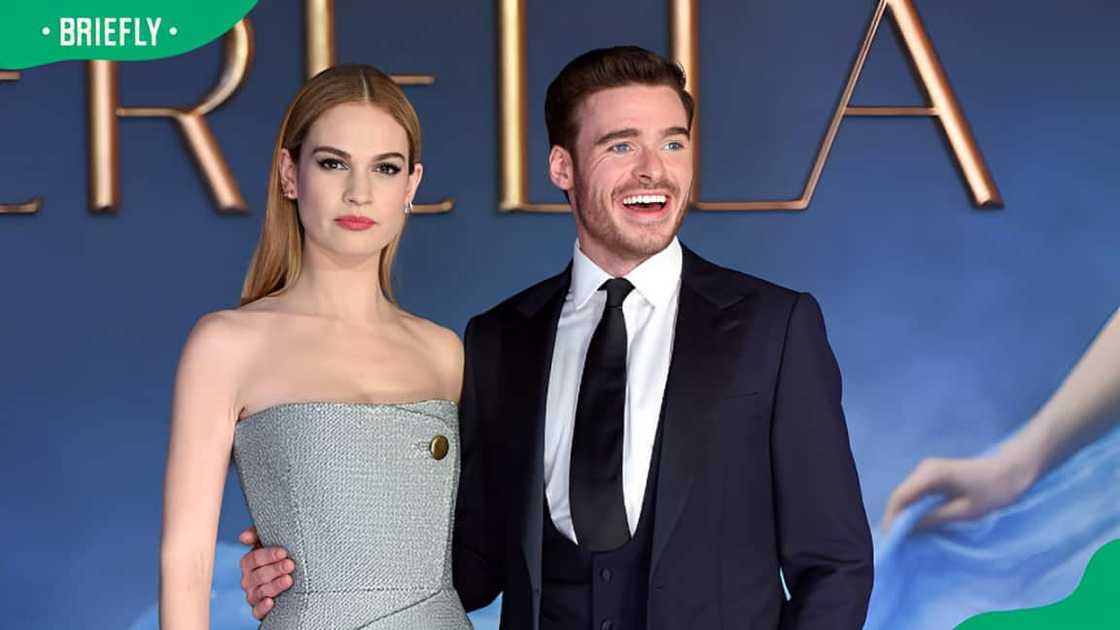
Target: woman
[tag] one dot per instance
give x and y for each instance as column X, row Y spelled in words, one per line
column 339, row 407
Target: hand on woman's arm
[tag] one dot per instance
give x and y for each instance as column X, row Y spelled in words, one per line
column 203, row 417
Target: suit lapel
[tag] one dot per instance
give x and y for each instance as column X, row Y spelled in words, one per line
column 529, row 370
column 701, row 351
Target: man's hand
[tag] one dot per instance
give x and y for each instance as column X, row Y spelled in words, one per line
column 265, row 573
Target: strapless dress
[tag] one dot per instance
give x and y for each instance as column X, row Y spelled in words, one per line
column 362, row 496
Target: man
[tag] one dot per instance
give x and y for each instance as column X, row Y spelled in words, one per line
column 647, row 439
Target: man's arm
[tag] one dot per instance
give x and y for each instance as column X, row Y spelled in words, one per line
column 824, row 541
column 477, row 557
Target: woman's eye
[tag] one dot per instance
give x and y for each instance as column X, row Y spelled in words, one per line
column 387, row 168
column 621, row 147
column 331, row 164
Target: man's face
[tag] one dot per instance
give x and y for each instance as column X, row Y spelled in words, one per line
column 630, row 176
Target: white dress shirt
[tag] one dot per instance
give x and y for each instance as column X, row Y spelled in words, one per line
column 650, row 311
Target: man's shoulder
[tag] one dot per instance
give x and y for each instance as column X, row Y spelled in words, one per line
column 527, row 301
column 749, row 283
column 732, row 284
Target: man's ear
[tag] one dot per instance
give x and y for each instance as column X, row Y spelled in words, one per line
column 561, row 169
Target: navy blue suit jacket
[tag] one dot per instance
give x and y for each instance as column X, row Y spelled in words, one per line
column 756, row 470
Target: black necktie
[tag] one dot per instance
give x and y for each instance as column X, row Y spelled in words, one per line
column 595, row 480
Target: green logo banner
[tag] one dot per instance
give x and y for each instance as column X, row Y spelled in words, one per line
column 1092, row 606
column 37, row 33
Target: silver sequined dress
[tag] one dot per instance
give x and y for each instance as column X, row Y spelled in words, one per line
column 362, row 497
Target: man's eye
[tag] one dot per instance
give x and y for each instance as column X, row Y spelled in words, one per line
column 331, row 164
column 675, row 145
column 621, row 147
column 387, row 168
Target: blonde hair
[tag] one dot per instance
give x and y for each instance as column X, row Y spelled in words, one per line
column 278, row 258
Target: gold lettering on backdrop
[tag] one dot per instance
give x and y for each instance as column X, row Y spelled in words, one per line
column 318, row 33
column 321, row 54
column 944, row 107
column 514, row 142
column 35, row 204
column 105, row 109
column 684, row 47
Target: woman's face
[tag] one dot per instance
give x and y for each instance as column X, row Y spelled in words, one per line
column 352, row 181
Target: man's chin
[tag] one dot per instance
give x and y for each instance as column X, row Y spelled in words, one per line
column 647, row 245
column 649, row 237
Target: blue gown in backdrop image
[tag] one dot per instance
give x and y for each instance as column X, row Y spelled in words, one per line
column 1030, row 553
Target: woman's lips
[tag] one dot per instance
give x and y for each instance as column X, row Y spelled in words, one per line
column 356, row 223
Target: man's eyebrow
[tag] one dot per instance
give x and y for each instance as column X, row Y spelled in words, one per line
column 629, row 132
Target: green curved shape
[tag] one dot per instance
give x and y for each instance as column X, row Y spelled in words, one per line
column 37, row 33
column 1095, row 603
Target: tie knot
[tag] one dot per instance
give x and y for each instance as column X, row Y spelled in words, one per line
column 617, row 289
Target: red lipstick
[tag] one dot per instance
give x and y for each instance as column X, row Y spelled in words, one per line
column 355, row 223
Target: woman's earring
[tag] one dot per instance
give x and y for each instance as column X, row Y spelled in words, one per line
column 408, row 207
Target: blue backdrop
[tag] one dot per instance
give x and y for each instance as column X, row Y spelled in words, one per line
column 951, row 324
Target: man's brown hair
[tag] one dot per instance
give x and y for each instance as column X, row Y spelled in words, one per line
column 601, row 69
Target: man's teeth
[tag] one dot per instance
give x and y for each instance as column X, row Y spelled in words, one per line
column 646, row 199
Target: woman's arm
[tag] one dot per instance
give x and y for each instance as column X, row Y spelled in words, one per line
column 1082, row 408
column 203, row 416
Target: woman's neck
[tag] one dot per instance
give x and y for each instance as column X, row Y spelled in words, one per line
column 347, row 289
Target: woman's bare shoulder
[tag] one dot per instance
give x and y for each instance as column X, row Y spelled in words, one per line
column 219, row 335
column 233, row 333
column 442, row 348
column 436, row 337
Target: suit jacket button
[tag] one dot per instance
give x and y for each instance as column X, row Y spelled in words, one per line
column 439, row 447
column 606, row 575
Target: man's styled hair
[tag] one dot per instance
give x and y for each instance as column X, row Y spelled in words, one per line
column 601, row 69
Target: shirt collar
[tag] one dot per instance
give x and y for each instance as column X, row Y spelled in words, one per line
column 656, row 279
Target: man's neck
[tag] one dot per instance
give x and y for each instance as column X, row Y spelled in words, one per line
column 611, row 262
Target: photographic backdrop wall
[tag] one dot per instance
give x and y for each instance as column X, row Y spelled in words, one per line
column 951, row 323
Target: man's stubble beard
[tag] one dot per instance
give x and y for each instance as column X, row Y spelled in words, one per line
column 640, row 242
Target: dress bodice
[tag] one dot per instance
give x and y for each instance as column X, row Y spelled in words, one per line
column 362, row 496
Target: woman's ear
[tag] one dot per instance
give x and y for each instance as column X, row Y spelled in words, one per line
column 414, row 178
column 288, row 179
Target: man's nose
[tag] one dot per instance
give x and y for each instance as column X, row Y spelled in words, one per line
column 650, row 167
